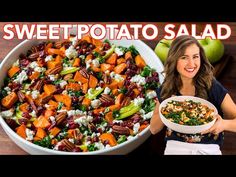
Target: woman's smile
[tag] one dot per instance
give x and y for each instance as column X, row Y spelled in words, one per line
column 190, row 70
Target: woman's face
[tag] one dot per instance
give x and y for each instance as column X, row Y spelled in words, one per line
column 189, row 64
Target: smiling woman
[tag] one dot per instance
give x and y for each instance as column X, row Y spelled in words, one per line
column 189, row 73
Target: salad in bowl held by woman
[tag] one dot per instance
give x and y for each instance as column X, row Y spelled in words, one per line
column 189, row 73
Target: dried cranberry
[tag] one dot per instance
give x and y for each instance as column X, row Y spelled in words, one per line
column 127, row 123
column 22, row 56
column 97, row 119
column 89, row 138
column 23, row 121
column 61, row 147
column 42, row 54
column 26, row 115
column 106, row 46
column 14, row 86
column 24, row 62
column 40, row 110
column 130, row 72
column 41, row 46
column 103, row 53
column 52, row 125
column 67, row 46
column 29, row 71
column 95, row 139
column 71, row 123
column 42, row 62
column 58, row 91
column 105, row 142
column 77, row 149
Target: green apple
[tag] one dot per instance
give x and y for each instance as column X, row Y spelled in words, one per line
column 162, row 49
column 214, row 49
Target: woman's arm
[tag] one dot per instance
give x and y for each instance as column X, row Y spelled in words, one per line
column 229, row 109
column 156, row 124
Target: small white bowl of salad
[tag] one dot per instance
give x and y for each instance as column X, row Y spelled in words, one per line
column 187, row 114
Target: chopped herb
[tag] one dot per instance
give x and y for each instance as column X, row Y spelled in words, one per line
column 99, row 75
column 75, row 93
column 6, row 80
column 96, row 54
column 92, row 147
column 3, row 93
column 45, row 142
column 41, row 75
column 82, row 108
column 148, row 105
column 146, row 71
column 60, row 106
column 121, row 139
column 56, row 82
column 107, row 41
column 133, row 51
column 101, row 60
column 123, row 90
column 151, row 85
column 116, row 113
column 66, row 61
column 123, row 49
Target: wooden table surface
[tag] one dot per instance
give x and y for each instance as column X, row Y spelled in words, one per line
column 155, row 143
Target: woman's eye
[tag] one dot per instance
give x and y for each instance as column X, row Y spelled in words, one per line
column 196, row 57
column 183, row 58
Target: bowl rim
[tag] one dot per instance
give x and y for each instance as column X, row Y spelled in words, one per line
column 186, row 98
column 52, row 151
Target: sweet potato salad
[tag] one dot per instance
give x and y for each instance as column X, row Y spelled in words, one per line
column 79, row 95
column 188, row 112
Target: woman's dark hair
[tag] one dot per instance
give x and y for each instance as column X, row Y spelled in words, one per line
column 172, row 82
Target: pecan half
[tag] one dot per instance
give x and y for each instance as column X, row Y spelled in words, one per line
column 32, row 104
column 107, row 79
column 21, row 96
column 59, row 44
column 34, row 49
column 38, row 85
column 106, row 98
column 84, row 73
column 68, row 77
column 68, row 145
column 81, row 98
column 33, row 56
column 46, row 99
column 120, row 130
column 60, row 117
column 126, row 101
column 54, row 71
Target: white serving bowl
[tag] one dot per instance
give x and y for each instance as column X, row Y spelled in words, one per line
column 187, row 129
column 124, row 148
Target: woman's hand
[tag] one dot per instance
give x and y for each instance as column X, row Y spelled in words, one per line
column 218, row 127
